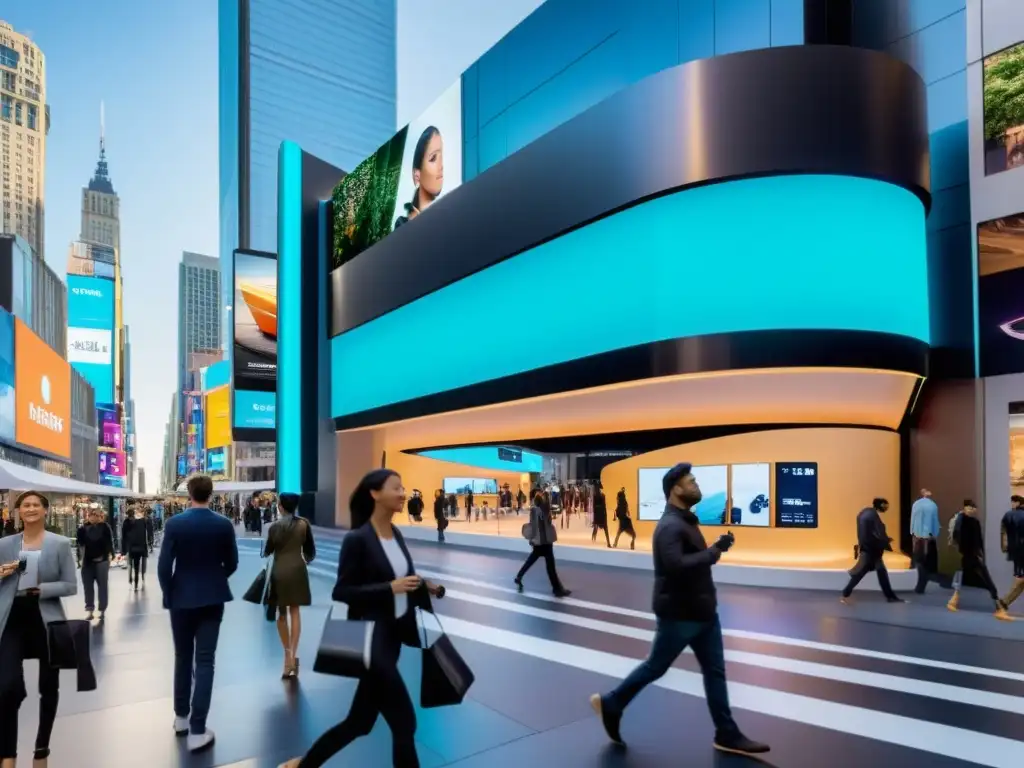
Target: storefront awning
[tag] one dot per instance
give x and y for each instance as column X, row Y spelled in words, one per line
column 16, row 477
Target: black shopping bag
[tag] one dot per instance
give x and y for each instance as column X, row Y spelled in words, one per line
column 345, row 648
column 254, row 594
column 69, row 649
column 446, row 678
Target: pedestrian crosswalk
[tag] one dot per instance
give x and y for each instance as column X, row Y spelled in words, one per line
column 969, row 711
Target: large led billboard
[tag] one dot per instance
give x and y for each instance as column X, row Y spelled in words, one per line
column 401, row 180
column 91, row 332
column 1001, row 295
column 6, row 376
column 1003, row 88
column 255, row 321
column 217, row 420
column 43, row 406
column 113, row 463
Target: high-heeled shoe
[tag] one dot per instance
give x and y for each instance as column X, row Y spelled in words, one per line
column 288, row 666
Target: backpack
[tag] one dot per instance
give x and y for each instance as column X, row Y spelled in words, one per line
column 954, row 529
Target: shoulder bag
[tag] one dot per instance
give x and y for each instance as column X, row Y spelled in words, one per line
column 446, row 678
column 346, row 647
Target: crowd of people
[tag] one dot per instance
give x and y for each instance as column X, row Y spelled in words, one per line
column 378, row 582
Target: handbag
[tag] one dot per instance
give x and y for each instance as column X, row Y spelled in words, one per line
column 259, row 590
column 345, row 649
column 68, row 642
column 446, row 678
column 527, row 531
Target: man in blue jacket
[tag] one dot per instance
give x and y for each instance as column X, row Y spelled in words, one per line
column 197, row 557
column 924, row 528
column 686, row 606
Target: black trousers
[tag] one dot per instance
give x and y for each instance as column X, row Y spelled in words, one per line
column 867, row 563
column 547, row 551
column 926, row 562
column 381, row 692
column 975, row 574
column 24, row 637
column 136, row 565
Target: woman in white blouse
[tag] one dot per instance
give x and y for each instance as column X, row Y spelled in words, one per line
column 36, row 571
column 378, row 581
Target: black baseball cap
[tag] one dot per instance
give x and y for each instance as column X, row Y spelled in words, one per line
column 673, row 476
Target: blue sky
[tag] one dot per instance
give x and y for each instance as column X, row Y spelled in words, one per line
column 154, row 64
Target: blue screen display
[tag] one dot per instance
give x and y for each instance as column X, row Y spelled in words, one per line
column 784, row 252
column 255, row 410
column 91, row 332
column 215, row 460
column 216, row 375
column 488, row 457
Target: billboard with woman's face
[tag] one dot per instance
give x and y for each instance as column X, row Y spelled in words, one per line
column 401, row 180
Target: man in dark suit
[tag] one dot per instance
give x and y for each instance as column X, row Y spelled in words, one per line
column 686, row 605
column 198, row 555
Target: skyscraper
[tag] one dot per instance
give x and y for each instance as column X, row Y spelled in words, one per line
column 319, row 74
column 24, row 123
column 198, row 309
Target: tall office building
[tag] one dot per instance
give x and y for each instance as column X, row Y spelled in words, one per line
column 141, row 482
column 319, row 74
column 198, row 309
column 24, row 123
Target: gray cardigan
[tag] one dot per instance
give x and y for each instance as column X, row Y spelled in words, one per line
column 543, row 528
column 57, row 576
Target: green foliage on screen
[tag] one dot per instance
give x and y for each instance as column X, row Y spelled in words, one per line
column 364, row 201
column 1004, row 91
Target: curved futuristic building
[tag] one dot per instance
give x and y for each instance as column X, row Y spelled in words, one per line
column 724, row 263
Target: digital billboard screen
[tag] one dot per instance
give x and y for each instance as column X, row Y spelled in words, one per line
column 255, row 321
column 796, row 494
column 43, row 406
column 91, row 332
column 401, row 180
column 6, row 376
column 113, row 463
column 1003, row 98
column 111, row 436
column 218, row 417
column 255, row 410
column 216, row 461
column 1001, row 295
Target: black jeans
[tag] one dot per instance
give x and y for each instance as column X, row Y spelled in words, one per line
column 670, row 639
column 24, row 637
column 96, row 574
column 865, row 564
column 926, row 562
column 547, row 551
column 136, row 566
column 195, row 631
column 381, row 692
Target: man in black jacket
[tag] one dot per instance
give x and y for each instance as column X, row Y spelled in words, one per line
column 1013, row 545
column 686, row 606
column 873, row 542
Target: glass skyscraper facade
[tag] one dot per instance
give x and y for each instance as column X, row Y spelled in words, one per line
column 321, row 73
column 199, row 282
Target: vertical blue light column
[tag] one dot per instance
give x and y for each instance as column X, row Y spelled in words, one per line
column 289, row 320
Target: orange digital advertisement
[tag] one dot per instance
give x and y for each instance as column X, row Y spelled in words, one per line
column 218, row 417
column 43, row 395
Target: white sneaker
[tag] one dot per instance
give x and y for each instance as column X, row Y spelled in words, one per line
column 200, row 741
column 180, row 726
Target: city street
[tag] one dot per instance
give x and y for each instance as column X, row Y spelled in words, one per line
column 909, row 685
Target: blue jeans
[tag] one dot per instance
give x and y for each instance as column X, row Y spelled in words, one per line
column 195, row 631
column 670, row 639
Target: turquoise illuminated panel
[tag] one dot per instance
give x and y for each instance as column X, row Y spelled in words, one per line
column 486, row 457
column 289, row 332
column 784, row 252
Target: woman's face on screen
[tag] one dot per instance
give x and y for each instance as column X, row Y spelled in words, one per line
column 431, row 172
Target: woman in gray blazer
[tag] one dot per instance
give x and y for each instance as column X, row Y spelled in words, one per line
column 36, row 571
column 542, row 539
